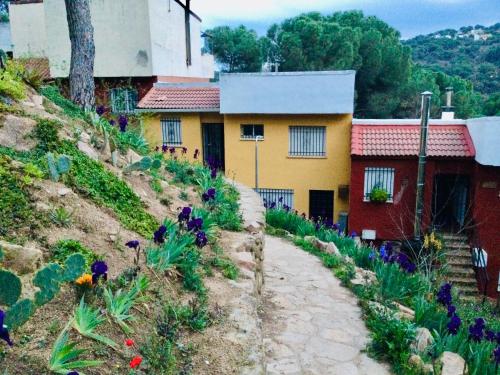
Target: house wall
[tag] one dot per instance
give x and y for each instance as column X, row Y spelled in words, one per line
column 279, row 171
column 27, row 24
column 394, row 221
column 486, row 213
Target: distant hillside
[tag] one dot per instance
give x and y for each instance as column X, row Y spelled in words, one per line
column 472, row 53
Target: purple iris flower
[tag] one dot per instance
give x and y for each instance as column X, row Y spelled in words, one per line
column 405, row 263
column 280, row 199
column 72, row 373
column 134, row 244
column 123, row 122
column 208, row 195
column 201, row 239
column 383, row 254
column 451, row 310
column 490, row 335
column 444, row 294
column 496, row 355
column 353, row 234
column 100, row 110
column 184, row 150
column 371, row 256
column 196, row 153
column 159, row 234
column 164, row 148
column 273, row 205
column 112, row 122
column 99, row 269
column 476, row 330
column 195, row 224
column 185, row 214
column 213, row 173
column 454, row 324
column 4, row 332
column 171, row 150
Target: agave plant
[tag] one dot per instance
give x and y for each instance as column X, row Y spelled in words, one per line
column 64, row 356
column 86, row 320
column 118, row 306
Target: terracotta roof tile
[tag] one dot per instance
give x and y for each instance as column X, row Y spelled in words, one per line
column 404, row 140
column 200, row 98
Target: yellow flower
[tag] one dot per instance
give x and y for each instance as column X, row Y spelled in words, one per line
column 85, row 279
column 426, row 241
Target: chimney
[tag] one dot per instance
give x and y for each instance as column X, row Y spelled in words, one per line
column 448, row 110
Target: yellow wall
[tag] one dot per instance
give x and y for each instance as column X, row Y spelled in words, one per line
column 277, row 170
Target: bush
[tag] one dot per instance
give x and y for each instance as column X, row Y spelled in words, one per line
column 11, row 84
column 62, row 249
column 379, row 195
column 69, row 108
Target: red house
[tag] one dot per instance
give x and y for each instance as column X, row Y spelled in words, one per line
column 461, row 192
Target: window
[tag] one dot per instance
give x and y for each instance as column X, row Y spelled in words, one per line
column 279, row 197
column 307, row 140
column 381, row 178
column 250, row 131
column 171, row 131
column 123, row 100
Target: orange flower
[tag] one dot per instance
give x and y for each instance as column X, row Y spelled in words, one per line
column 129, row 342
column 85, row 279
column 135, row 362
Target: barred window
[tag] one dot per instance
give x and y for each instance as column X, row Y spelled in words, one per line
column 379, row 177
column 123, row 100
column 250, row 131
column 307, row 140
column 171, row 131
column 280, row 197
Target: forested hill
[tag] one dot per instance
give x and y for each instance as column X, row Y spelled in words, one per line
column 471, row 52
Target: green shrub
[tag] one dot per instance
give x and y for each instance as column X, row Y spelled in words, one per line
column 69, row 108
column 61, row 217
column 64, row 248
column 46, row 132
column 379, row 195
column 11, row 82
column 227, row 267
column 159, row 355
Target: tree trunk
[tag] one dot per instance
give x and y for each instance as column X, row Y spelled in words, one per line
column 81, row 35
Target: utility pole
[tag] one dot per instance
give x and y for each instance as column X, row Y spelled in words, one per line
column 424, row 129
column 257, row 139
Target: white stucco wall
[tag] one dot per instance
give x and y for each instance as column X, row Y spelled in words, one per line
column 168, row 42
column 27, row 23
column 121, row 37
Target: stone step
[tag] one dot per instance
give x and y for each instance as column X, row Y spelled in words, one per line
column 457, row 253
column 464, row 261
column 468, row 290
column 461, row 281
column 448, row 236
column 460, row 271
column 457, row 245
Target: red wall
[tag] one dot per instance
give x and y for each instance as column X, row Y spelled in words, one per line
column 486, row 213
column 394, row 221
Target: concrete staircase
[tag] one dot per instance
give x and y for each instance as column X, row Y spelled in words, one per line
column 460, row 273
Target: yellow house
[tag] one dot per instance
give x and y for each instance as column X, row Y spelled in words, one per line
column 286, row 134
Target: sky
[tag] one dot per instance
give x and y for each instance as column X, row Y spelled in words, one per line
column 410, row 17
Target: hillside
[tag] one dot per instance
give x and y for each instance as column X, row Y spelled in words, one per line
column 472, row 53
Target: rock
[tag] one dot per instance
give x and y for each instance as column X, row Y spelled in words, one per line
column 113, row 238
column 63, row 191
column 331, row 248
column 42, row 206
column 253, row 227
column 363, row 277
column 406, row 312
column 37, row 100
column 14, row 132
column 416, row 362
column 423, row 339
column 452, row 364
column 88, row 150
column 21, row 259
column 85, row 137
column 133, row 156
column 428, row 369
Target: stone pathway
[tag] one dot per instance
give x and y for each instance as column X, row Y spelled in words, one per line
column 312, row 325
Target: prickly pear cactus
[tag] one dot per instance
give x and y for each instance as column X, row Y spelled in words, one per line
column 156, row 164
column 10, row 288
column 74, row 267
column 63, row 164
column 143, row 165
column 48, row 279
column 53, row 170
column 19, row 313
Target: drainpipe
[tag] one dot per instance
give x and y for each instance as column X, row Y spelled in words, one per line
column 257, row 139
column 424, row 128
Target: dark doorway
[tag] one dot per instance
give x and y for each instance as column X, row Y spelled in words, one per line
column 321, row 204
column 449, row 201
column 213, row 144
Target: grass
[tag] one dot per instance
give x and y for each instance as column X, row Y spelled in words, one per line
column 69, row 108
column 63, row 249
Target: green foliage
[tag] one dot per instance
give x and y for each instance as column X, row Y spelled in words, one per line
column 58, row 167
column 189, row 266
column 74, row 267
column 391, row 339
column 48, row 279
column 65, row 248
column 428, row 314
column 227, row 267
column 46, row 133
column 142, row 165
column 329, row 260
column 236, row 50
column 290, row 222
column 10, row 288
column 11, row 84
column 19, row 313
column 85, row 322
column 63, row 357
column 492, row 105
column 61, row 217
column 69, row 108
column 159, row 355
column 378, row 194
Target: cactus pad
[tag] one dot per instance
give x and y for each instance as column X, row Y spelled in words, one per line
column 74, row 267
column 10, row 288
column 53, row 171
column 19, row 313
column 48, row 279
column 63, row 164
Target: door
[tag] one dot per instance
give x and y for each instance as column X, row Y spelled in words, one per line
column 450, row 200
column 321, row 204
column 213, row 145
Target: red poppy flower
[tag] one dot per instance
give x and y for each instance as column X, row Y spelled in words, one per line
column 135, row 362
column 129, row 342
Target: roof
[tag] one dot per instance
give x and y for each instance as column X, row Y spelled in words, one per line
column 485, row 133
column 38, row 64
column 181, row 98
column 379, row 139
column 327, row 92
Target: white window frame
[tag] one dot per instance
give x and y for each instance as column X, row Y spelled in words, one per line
column 130, row 96
column 171, row 131
column 307, row 141
column 381, row 176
